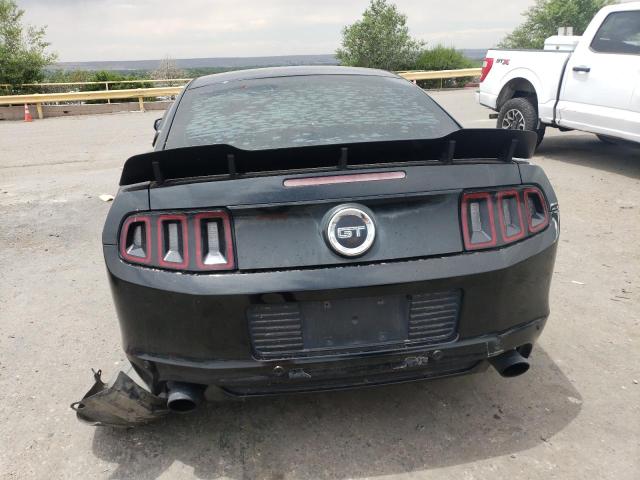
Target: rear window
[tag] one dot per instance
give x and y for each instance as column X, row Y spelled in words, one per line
column 306, row 110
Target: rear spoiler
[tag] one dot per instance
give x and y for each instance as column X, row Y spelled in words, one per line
column 473, row 144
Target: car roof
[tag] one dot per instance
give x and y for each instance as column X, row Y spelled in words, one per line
column 271, row 72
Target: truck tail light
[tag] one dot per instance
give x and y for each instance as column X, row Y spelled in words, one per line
column 186, row 241
column 487, row 63
column 512, row 207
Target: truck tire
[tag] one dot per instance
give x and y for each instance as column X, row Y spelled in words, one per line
column 520, row 114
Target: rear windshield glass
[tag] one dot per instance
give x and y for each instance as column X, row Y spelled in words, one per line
column 306, row 110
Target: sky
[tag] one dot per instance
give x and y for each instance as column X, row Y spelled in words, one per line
column 92, row 30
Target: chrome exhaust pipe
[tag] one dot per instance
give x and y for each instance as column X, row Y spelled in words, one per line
column 183, row 397
column 510, row 364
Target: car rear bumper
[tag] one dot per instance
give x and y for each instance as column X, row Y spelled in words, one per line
column 194, row 328
column 251, row 378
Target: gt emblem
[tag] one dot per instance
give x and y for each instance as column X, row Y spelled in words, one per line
column 349, row 230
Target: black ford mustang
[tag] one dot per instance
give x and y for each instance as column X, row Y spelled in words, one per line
column 302, row 229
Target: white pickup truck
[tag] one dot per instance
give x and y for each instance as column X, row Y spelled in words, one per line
column 589, row 83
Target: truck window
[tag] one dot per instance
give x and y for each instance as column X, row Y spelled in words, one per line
column 619, row 33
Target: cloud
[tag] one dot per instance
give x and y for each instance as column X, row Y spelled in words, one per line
column 145, row 29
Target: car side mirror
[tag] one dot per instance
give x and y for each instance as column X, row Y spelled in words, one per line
column 157, row 123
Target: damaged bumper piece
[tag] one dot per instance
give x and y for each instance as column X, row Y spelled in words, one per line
column 124, row 403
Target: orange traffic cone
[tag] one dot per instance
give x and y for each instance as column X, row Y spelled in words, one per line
column 27, row 114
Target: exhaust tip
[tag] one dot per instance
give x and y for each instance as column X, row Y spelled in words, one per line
column 510, row 364
column 515, row 370
column 183, row 397
column 181, row 405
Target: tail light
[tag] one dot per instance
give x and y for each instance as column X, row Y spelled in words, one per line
column 135, row 239
column 487, row 63
column 478, row 224
column 173, row 247
column 510, row 215
column 214, row 248
column 187, row 241
column 536, row 207
column 520, row 213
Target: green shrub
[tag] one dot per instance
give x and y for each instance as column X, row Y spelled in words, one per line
column 107, row 76
column 443, row 58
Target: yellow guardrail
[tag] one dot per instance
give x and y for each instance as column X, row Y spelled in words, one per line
column 105, row 83
column 439, row 74
column 141, row 93
column 39, row 98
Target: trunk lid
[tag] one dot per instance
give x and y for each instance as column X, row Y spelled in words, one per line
column 277, row 227
column 280, row 214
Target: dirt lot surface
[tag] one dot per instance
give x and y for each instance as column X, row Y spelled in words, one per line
column 575, row 415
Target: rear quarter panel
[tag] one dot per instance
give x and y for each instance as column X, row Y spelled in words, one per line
column 128, row 200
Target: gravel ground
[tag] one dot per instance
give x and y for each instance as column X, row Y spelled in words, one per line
column 575, row 415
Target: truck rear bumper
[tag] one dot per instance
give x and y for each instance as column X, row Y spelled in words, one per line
column 487, row 99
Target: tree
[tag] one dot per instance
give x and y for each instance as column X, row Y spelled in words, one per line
column 379, row 40
column 168, row 70
column 23, row 54
column 543, row 19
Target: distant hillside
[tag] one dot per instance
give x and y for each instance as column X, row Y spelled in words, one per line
column 189, row 63
column 222, row 63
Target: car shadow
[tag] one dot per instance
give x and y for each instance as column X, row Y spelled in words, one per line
column 353, row 434
column 587, row 150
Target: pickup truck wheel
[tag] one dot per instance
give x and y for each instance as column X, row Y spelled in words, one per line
column 520, row 114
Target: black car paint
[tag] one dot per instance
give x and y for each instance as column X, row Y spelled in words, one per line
column 199, row 321
column 192, row 327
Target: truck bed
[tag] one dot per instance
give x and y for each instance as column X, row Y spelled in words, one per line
column 543, row 68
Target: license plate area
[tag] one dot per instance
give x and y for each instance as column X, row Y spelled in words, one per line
column 354, row 322
column 343, row 326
